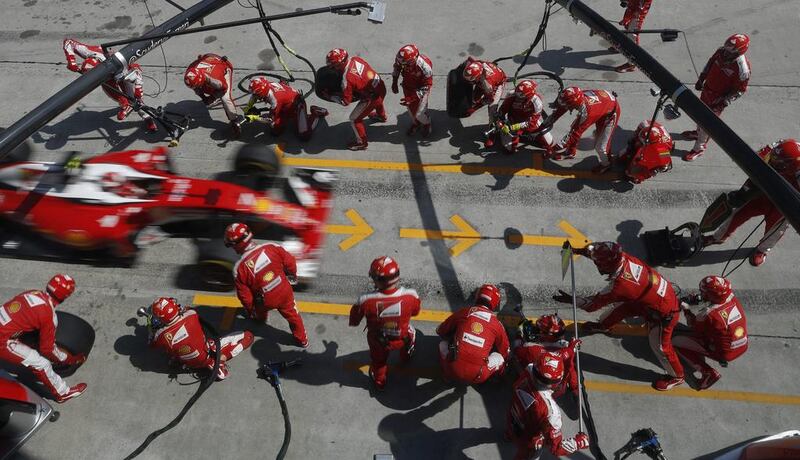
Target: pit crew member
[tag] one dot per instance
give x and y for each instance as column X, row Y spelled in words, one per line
column 284, row 105
column 417, row 72
column 210, row 76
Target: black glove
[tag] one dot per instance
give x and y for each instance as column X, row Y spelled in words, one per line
column 691, row 299
column 699, row 85
column 562, row 297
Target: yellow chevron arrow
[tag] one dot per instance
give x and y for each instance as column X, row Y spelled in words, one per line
column 465, row 238
column 575, row 237
column 359, row 231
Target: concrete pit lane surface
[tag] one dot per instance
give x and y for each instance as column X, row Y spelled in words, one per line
column 452, row 213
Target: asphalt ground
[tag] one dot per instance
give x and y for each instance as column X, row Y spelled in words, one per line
column 407, row 196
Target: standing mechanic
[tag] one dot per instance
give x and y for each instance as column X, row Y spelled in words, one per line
column 475, row 345
column 210, row 76
column 648, row 152
column 177, row 331
column 284, row 105
column 388, row 310
column 124, row 89
column 595, row 107
column 639, row 291
column 534, row 420
column 489, row 80
column 360, row 82
column 522, row 112
column 34, row 311
column 633, row 19
column 417, row 72
column 264, row 276
column 723, row 80
column 719, row 329
column 784, row 157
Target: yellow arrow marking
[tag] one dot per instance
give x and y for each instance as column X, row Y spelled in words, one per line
column 359, row 231
column 575, row 237
column 466, row 237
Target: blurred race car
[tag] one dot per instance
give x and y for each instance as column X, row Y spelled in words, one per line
column 103, row 209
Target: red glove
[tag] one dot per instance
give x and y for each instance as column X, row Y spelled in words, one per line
column 582, row 439
column 73, row 66
column 574, row 344
column 80, row 358
column 395, row 89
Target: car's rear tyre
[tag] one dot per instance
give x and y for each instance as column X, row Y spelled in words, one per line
column 215, row 265
column 257, row 159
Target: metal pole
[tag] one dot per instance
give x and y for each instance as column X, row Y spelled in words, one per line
column 577, row 353
column 779, row 191
column 86, row 83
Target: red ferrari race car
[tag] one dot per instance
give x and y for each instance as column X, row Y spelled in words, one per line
column 107, row 207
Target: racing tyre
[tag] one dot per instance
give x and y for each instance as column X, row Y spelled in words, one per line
column 215, row 263
column 328, row 83
column 459, row 93
column 258, row 160
column 74, row 335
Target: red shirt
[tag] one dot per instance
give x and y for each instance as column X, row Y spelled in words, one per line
column 32, row 311
column 261, row 272
column 417, row 75
column 596, row 104
column 636, row 281
column 214, row 68
column 281, row 98
column 526, row 111
column 493, row 77
column 476, row 332
column 723, row 329
column 725, row 78
column 184, row 340
column 636, row 8
column 359, row 81
column 388, row 312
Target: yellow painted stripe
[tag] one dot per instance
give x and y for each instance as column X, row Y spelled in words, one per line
column 611, row 387
column 433, row 316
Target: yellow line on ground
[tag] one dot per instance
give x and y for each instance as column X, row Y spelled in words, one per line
column 611, row 387
column 433, row 316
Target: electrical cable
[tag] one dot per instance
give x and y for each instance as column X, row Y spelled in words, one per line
column 689, row 51
column 539, row 35
column 163, row 54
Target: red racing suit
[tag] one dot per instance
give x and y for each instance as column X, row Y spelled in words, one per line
column 534, row 421
column 417, row 83
column 642, row 291
column 723, row 81
column 528, row 352
column 489, row 89
column 526, row 115
column 759, row 205
column 633, row 19
column 599, row 108
column 388, row 315
column 218, row 84
column 645, row 160
column 286, row 104
column 28, row 312
column 360, row 82
column 719, row 331
column 470, row 335
column 117, row 88
column 185, row 341
column 262, row 285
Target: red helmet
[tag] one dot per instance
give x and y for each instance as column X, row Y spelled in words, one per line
column 571, row 97
column 89, row 63
column 647, row 135
column 526, row 89
column 785, row 157
column 551, row 327
column 165, row 309
column 736, row 45
column 473, row 71
column 194, row 77
column 489, row 296
column 259, row 86
column 385, row 272
column 607, row 256
column 238, row 236
column 715, row 288
column 407, row 55
column 60, row 287
column 548, row 368
column 336, row 58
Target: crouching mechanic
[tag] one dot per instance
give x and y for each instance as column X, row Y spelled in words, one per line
column 177, row 331
column 522, row 113
column 638, row 290
column 719, row 329
column 123, row 88
column 546, row 336
column 264, row 276
column 489, row 81
column 534, row 420
column 210, row 76
column 284, row 105
column 388, row 310
column 595, row 107
column 34, row 311
column 417, row 72
column 475, row 344
column 648, row 152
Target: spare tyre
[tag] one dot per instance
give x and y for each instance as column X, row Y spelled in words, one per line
column 328, row 83
column 459, row 93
